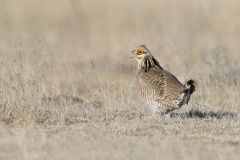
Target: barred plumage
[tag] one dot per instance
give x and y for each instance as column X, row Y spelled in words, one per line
column 161, row 90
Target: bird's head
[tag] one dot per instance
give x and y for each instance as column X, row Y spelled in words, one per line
column 145, row 58
column 140, row 52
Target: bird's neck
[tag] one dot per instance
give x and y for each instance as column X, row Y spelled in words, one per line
column 147, row 62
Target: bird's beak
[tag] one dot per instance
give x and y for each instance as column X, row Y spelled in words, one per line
column 133, row 52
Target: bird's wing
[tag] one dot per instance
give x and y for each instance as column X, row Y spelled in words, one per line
column 166, row 85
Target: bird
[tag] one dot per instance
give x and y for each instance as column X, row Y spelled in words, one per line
column 159, row 88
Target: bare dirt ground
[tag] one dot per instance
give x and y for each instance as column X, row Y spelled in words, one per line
column 67, row 85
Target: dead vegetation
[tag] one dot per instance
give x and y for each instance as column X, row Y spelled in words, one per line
column 67, row 87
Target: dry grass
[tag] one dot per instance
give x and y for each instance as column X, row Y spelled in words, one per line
column 67, row 86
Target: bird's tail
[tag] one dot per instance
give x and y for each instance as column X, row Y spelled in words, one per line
column 184, row 97
column 189, row 88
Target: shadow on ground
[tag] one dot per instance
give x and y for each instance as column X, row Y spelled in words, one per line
column 202, row 114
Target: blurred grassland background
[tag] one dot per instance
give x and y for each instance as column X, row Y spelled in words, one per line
column 67, row 81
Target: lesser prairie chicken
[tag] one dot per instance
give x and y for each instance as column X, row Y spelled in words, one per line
column 160, row 89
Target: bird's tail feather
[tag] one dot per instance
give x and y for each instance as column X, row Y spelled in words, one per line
column 189, row 88
column 184, row 97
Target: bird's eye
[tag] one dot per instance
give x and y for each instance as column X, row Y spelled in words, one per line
column 140, row 52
